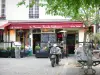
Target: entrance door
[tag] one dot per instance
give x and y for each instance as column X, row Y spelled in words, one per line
column 70, row 41
column 36, row 40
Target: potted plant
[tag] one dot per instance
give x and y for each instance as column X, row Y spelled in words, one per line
column 22, row 51
column 43, row 52
column 46, row 48
column 12, row 51
column 22, row 48
column 37, row 48
column 9, row 50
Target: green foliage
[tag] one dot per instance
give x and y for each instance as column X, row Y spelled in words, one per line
column 45, row 48
column 23, row 2
column 85, row 11
column 10, row 48
column 37, row 47
column 90, row 29
column 2, row 49
column 22, row 47
column 96, row 38
column 32, row 3
column 78, row 10
column 13, row 48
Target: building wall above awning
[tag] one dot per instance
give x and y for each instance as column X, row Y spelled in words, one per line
column 32, row 25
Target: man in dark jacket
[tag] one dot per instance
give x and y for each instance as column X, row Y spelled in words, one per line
column 56, row 51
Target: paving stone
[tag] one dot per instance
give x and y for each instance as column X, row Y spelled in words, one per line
column 39, row 66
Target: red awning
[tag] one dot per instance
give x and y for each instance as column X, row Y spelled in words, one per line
column 4, row 25
column 30, row 25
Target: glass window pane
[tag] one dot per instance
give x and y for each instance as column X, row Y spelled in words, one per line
column 3, row 1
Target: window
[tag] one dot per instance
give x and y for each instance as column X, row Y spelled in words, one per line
column 45, row 37
column 37, row 31
column 34, row 11
column 1, row 35
column 45, row 30
column 2, row 9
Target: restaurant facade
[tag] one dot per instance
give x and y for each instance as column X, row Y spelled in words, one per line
column 42, row 33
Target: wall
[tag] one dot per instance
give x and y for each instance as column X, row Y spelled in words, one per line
column 0, row 8
column 12, row 35
column 43, row 15
column 13, row 12
column 81, row 35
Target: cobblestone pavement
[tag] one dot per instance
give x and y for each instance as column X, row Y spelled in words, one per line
column 38, row 66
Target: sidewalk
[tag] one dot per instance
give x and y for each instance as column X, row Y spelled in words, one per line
column 71, row 68
column 39, row 66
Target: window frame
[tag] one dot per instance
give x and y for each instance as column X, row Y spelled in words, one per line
column 34, row 11
column 3, row 10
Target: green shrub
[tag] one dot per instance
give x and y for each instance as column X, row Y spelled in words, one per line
column 37, row 47
column 1, row 48
column 10, row 48
column 13, row 48
column 46, row 48
column 22, row 47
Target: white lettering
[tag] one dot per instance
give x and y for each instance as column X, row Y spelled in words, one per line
column 36, row 27
column 78, row 26
column 55, row 26
column 15, row 27
column 46, row 26
column 30, row 26
column 72, row 26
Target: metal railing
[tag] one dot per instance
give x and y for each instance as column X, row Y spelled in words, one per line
column 5, row 45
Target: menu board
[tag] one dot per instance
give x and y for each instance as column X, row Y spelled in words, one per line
column 48, row 37
column 44, row 37
column 52, row 37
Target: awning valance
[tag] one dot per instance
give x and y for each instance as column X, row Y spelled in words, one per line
column 31, row 25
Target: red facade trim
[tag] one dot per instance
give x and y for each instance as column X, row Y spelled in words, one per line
column 5, row 25
column 31, row 25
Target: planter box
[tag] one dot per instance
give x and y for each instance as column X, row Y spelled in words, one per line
column 22, row 53
column 4, row 53
column 13, row 53
column 42, row 54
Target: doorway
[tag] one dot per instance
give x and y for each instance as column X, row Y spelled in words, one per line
column 70, row 41
column 36, row 41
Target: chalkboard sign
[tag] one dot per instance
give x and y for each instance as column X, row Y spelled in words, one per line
column 44, row 37
column 52, row 37
column 48, row 37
